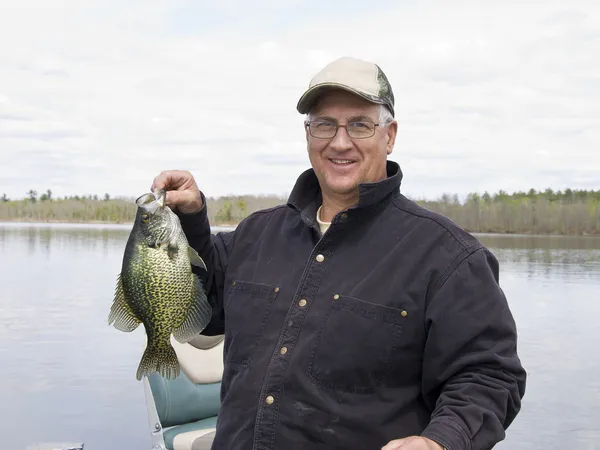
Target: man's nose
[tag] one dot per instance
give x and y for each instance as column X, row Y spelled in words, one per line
column 341, row 140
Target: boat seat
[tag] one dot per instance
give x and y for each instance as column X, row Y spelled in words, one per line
column 183, row 411
column 194, row 440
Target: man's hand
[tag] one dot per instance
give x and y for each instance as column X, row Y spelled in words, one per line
column 413, row 443
column 182, row 191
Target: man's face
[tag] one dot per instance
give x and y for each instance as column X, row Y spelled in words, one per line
column 341, row 163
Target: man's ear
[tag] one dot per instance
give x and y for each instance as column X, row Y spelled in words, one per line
column 392, row 130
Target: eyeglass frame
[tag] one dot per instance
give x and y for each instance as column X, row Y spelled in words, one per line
column 338, row 126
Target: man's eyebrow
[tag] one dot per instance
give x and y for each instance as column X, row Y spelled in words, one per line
column 350, row 119
column 358, row 118
column 324, row 118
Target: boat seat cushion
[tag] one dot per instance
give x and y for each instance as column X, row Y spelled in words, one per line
column 194, row 440
column 201, row 361
column 204, row 442
column 179, row 401
column 183, row 437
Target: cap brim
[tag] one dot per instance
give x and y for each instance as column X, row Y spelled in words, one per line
column 312, row 94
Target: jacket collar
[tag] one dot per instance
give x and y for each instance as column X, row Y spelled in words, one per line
column 306, row 195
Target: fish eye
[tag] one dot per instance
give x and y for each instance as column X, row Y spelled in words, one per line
column 145, row 218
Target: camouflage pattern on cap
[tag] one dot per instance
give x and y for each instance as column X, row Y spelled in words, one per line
column 362, row 78
column 385, row 89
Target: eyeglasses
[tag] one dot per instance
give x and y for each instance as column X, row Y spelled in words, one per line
column 357, row 130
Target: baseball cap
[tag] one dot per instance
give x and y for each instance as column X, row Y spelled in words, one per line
column 360, row 77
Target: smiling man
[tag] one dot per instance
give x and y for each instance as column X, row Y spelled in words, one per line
column 353, row 318
column 342, row 161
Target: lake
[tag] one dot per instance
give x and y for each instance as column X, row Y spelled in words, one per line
column 67, row 376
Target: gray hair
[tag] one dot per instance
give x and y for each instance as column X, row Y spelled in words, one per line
column 385, row 115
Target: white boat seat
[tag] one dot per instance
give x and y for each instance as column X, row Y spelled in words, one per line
column 201, row 359
column 194, row 440
column 206, row 342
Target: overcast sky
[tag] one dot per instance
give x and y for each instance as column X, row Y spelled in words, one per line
column 101, row 95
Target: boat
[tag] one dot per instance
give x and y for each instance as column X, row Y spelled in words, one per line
column 56, row 446
column 182, row 412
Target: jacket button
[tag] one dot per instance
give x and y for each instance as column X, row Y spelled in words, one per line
column 336, row 296
column 404, row 314
column 283, row 350
column 276, row 289
column 269, row 400
column 343, row 216
column 302, row 302
column 320, row 258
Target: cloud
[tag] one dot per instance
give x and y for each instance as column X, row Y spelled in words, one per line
column 101, row 96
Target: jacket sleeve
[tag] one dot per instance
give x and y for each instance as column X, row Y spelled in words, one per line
column 214, row 250
column 471, row 367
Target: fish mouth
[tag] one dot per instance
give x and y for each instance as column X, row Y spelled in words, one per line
column 161, row 197
column 152, row 201
column 144, row 200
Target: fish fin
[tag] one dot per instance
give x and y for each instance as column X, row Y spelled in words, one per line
column 198, row 316
column 172, row 250
column 195, row 258
column 161, row 359
column 120, row 312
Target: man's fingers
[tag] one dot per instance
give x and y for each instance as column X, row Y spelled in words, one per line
column 172, row 180
column 186, row 202
column 174, row 198
column 181, row 189
column 395, row 445
column 412, row 443
column 409, row 443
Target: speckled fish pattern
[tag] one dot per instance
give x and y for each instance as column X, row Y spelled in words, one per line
column 157, row 287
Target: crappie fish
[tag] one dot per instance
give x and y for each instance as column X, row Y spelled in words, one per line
column 156, row 286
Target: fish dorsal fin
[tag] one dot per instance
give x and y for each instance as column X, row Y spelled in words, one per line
column 195, row 258
column 198, row 315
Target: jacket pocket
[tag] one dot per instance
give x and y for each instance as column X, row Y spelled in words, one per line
column 247, row 309
column 355, row 346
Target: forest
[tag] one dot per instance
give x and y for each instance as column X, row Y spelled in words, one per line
column 572, row 211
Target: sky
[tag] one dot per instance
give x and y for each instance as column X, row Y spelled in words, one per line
column 99, row 96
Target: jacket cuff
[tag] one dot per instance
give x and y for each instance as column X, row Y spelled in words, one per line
column 194, row 223
column 448, row 434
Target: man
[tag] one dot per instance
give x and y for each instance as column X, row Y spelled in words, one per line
column 354, row 318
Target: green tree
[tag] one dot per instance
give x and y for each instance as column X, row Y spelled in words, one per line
column 242, row 206
column 32, row 195
column 46, row 196
column 225, row 214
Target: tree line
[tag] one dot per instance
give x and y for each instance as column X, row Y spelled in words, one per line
column 571, row 211
column 228, row 210
column 534, row 212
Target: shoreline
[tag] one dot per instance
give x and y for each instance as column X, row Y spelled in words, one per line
column 88, row 222
column 26, row 221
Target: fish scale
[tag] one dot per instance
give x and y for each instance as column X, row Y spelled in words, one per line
column 156, row 287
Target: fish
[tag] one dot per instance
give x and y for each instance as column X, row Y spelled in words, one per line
column 157, row 287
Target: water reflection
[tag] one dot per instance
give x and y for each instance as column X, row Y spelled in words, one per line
column 574, row 258
column 41, row 239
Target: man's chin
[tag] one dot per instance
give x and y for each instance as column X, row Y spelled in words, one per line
column 344, row 188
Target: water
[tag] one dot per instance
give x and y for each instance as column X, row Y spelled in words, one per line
column 67, row 376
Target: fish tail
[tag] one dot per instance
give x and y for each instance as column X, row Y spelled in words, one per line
column 161, row 359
